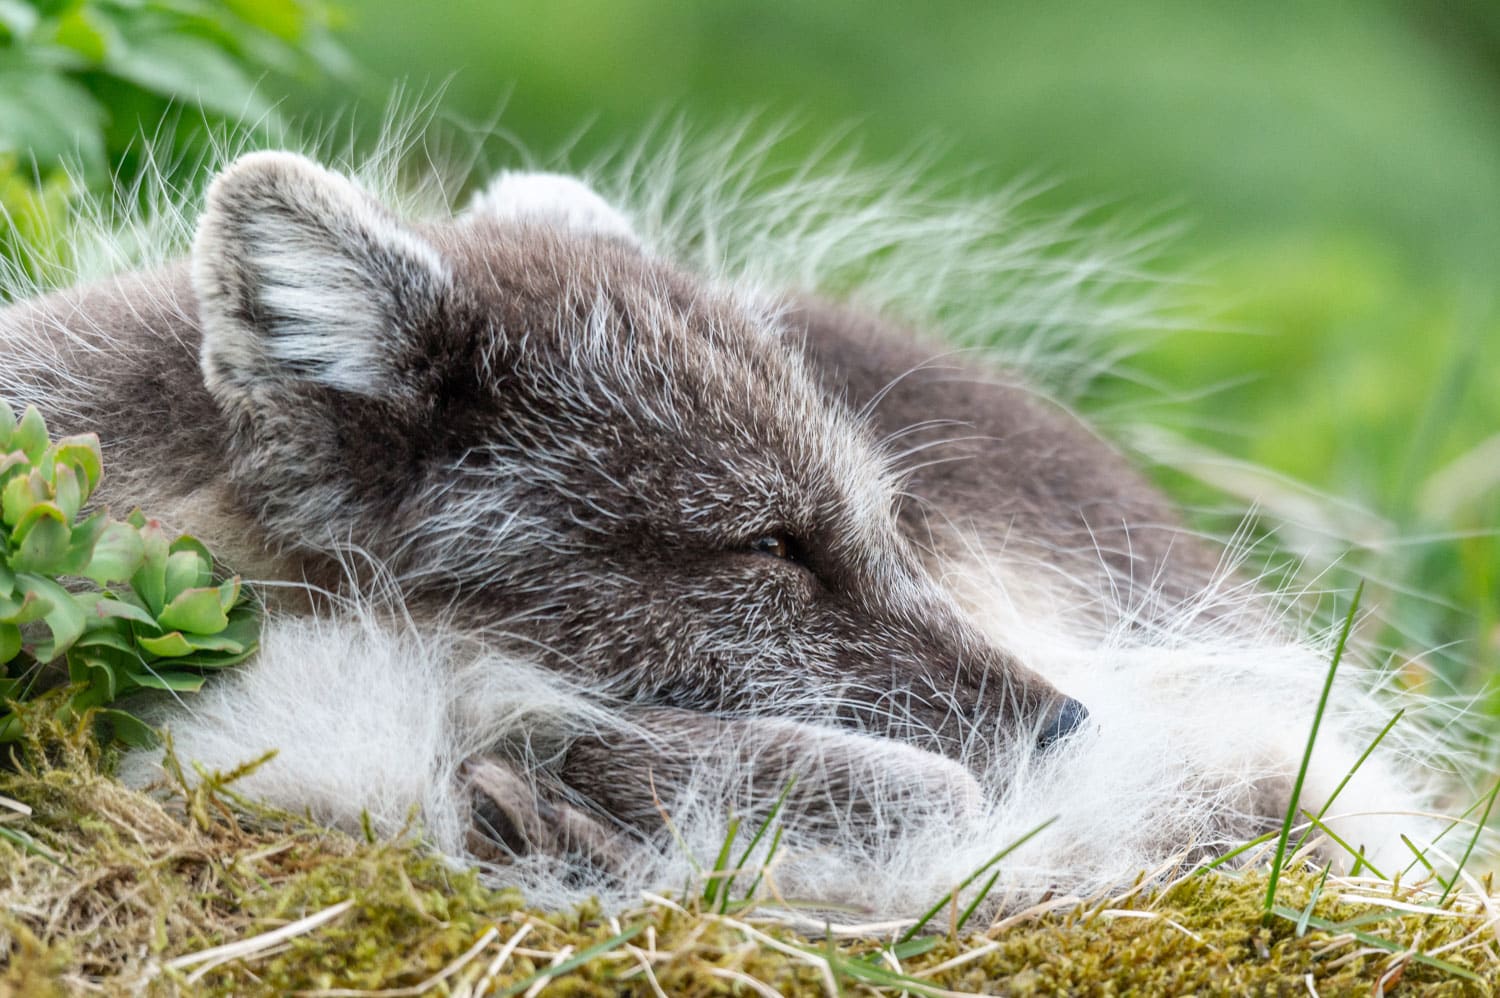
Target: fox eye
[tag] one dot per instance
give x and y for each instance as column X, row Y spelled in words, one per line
column 775, row 545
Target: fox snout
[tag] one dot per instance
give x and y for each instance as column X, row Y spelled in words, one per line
column 1013, row 702
column 1066, row 719
column 997, row 708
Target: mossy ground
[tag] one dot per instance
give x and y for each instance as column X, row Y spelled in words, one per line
column 105, row 890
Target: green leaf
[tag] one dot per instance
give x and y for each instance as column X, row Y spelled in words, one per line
column 172, row 645
column 67, row 490
column 150, row 580
column 51, row 117
column 229, row 594
column 7, row 578
column 17, row 498
column 186, row 570
column 214, row 643
column 99, row 676
column 44, row 538
column 124, row 610
column 118, row 554
column 127, row 728
column 213, row 659
column 188, row 68
column 78, row 31
column 110, row 635
column 17, row 17
column 187, row 542
column 238, row 642
column 179, row 682
column 7, row 414
column 86, row 532
column 10, row 642
column 64, row 617
column 83, row 452
column 31, row 606
column 30, row 436
column 81, row 543
column 286, row 19
column 13, row 462
column 196, row 611
column 91, row 693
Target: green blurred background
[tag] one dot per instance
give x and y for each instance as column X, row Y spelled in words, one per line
column 1336, row 165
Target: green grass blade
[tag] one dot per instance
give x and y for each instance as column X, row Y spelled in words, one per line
column 1312, row 738
column 770, row 855
column 1422, row 858
column 29, row 845
column 836, row 960
column 984, row 892
column 1452, row 824
column 573, row 962
column 719, row 875
column 948, row 898
column 760, row 833
column 1312, row 902
column 914, row 947
column 1231, row 854
column 1380, row 942
column 1323, row 811
column 1473, row 841
column 867, row 971
column 1368, row 918
column 1359, row 857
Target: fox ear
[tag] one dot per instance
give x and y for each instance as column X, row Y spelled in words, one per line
column 302, row 276
column 552, row 199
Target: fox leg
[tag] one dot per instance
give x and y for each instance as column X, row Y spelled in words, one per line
column 831, row 783
column 824, row 785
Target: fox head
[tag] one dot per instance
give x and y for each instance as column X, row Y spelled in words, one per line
column 556, row 438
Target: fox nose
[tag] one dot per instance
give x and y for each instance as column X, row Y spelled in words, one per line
column 1068, row 719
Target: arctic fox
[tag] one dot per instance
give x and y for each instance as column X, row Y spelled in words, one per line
column 578, row 552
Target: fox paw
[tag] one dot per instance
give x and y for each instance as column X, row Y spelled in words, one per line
column 511, row 818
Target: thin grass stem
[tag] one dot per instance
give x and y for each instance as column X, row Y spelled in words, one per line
column 1312, row 738
column 1473, row 841
column 1323, row 811
column 948, row 898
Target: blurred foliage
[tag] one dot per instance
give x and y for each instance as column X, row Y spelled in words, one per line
column 28, row 206
column 82, row 82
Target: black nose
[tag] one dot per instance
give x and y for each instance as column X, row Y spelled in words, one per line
column 1068, row 719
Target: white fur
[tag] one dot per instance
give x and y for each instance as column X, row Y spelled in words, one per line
column 552, row 199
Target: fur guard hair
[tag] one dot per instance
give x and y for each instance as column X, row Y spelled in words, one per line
column 538, row 641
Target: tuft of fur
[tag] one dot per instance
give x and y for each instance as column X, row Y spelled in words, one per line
column 380, row 690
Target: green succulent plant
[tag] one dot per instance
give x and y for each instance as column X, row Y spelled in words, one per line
column 141, row 612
